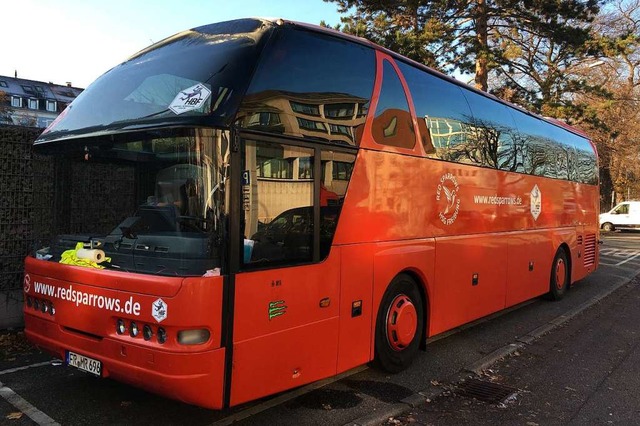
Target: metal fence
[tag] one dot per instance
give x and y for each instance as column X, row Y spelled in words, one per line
column 26, row 203
column 41, row 197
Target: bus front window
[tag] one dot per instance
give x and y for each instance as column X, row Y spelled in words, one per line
column 153, row 205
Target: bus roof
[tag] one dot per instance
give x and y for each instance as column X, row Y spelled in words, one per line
column 232, row 47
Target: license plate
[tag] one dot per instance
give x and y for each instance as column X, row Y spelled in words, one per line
column 84, row 363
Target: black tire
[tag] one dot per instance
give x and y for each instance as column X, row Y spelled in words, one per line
column 395, row 353
column 560, row 276
column 608, row 227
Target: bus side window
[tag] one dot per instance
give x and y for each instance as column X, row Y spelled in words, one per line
column 278, row 204
column 442, row 112
column 278, row 196
column 587, row 163
column 537, row 148
column 493, row 139
column 392, row 124
column 310, row 85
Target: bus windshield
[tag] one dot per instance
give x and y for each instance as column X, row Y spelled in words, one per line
column 152, row 205
column 192, row 78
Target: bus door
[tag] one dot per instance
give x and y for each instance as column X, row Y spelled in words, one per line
column 286, row 296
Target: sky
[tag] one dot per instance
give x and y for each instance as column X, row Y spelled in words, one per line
column 78, row 40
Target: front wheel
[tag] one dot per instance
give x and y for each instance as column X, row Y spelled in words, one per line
column 399, row 325
column 559, row 281
column 608, row 227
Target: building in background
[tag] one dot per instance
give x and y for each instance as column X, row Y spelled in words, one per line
column 31, row 103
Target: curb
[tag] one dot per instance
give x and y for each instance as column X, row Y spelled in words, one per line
column 477, row 367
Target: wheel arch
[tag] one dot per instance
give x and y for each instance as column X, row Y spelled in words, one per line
column 414, row 258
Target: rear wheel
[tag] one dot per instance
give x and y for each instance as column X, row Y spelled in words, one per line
column 559, row 281
column 399, row 325
column 608, row 227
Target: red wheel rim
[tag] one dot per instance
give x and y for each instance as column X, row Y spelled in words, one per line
column 561, row 274
column 402, row 322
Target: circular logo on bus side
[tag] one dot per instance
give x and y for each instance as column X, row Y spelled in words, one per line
column 447, row 198
column 27, row 283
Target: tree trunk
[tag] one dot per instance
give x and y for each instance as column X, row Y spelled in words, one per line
column 482, row 61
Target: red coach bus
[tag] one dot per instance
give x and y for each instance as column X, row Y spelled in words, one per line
column 254, row 205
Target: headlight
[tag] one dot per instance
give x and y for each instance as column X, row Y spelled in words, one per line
column 193, row 337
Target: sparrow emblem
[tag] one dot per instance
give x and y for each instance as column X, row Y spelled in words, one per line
column 451, row 198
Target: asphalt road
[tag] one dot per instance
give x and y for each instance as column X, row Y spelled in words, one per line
column 49, row 393
column 584, row 372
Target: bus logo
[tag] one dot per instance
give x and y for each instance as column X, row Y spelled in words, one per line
column 276, row 309
column 27, row 283
column 536, row 202
column 449, row 205
column 159, row 310
column 189, row 99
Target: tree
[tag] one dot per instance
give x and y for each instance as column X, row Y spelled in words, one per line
column 539, row 55
column 618, row 126
column 422, row 31
column 468, row 36
column 5, row 108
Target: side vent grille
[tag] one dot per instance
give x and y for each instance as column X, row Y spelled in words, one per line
column 579, row 240
column 589, row 250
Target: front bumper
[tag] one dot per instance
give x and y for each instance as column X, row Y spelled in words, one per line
column 194, row 378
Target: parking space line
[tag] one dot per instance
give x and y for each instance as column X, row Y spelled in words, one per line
column 607, row 264
column 21, row 404
column 13, row 370
column 627, row 260
column 616, row 252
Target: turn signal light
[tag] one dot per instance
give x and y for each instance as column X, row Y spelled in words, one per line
column 193, row 337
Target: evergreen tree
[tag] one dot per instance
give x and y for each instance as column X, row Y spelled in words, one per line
column 478, row 36
column 5, row 108
column 535, row 57
column 422, row 31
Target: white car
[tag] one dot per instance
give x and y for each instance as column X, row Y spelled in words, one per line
column 624, row 215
